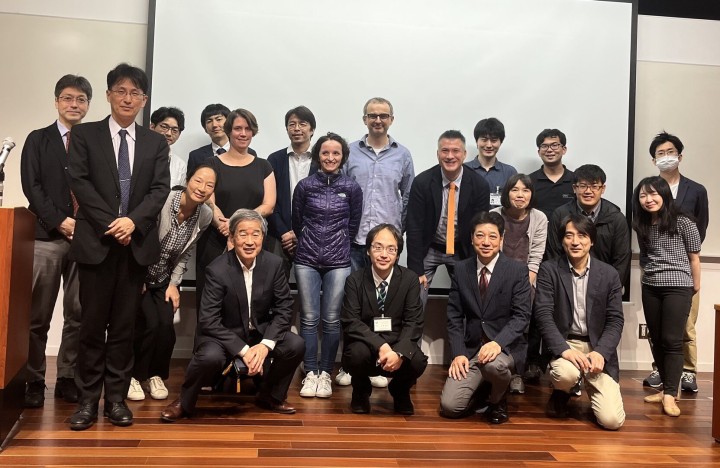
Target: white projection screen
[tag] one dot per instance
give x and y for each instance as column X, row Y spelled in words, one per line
column 534, row 64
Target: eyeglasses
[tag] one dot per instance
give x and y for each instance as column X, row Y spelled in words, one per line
column 376, row 116
column 584, row 187
column 134, row 95
column 377, row 248
column 293, row 125
column 81, row 100
column 553, row 146
column 243, row 236
column 660, row 154
column 165, row 127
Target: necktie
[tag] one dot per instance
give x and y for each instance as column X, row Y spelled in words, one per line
column 483, row 282
column 220, row 151
column 124, row 173
column 450, row 234
column 72, row 195
column 382, row 294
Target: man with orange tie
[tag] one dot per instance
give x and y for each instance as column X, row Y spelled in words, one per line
column 443, row 200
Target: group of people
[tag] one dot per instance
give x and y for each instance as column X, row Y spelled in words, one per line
column 537, row 262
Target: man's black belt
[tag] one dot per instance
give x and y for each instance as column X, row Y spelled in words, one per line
column 584, row 338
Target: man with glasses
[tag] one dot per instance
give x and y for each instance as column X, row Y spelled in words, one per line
column 46, row 184
column 170, row 123
column 120, row 176
column 290, row 165
column 553, row 181
column 382, row 320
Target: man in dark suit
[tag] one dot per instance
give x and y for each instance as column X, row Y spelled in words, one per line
column 488, row 310
column 692, row 200
column 435, row 235
column 46, row 184
column 212, row 120
column 120, row 176
column 382, row 319
column 245, row 312
column 290, row 165
column 578, row 309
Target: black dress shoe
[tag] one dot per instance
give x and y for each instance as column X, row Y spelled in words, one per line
column 65, row 388
column 402, row 402
column 497, row 412
column 270, row 403
column 35, row 394
column 557, row 404
column 360, row 403
column 118, row 413
column 173, row 412
column 84, row 416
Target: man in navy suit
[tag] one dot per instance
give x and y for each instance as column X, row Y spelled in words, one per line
column 290, row 165
column 692, row 200
column 488, row 310
column 120, row 176
column 212, row 120
column 46, row 184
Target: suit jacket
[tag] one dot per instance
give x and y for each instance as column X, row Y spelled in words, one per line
column 200, row 155
column 402, row 305
column 223, row 315
column 94, row 180
column 425, row 208
column 280, row 221
column 503, row 315
column 45, row 180
column 553, row 309
column 692, row 200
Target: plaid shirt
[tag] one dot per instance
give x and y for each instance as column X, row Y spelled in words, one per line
column 172, row 244
column 668, row 263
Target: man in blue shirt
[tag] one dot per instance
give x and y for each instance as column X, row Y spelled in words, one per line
column 489, row 136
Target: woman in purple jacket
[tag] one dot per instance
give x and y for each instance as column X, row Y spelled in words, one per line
column 326, row 209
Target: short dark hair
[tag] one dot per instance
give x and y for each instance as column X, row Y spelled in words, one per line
column 315, row 152
column 511, row 182
column 377, row 100
column 73, row 81
column 213, row 109
column 667, row 216
column 489, row 128
column 197, row 168
column 581, row 223
column 550, row 133
column 664, row 137
column 589, row 173
column 393, row 230
column 487, row 217
column 126, row 71
column 452, row 135
column 302, row 113
column 162, row 113
column 243, row 113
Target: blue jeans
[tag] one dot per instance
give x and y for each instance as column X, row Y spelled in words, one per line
column 313, row 307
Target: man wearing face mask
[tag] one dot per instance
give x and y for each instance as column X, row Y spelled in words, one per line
column 692, row 200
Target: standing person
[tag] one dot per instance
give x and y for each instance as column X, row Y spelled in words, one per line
column 327, row 207
column 553, row 181
column 290, row 165
column 692, row 200
column 670, row 259
column 243, row 181
column 525, row 236
column 46, row 185
column 183, row 218
column 120, row 177
column 170, row 123
column 489, row 136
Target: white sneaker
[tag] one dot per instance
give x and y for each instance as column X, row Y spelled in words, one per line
column 135, row 392
column 324, row 386
column 158, row 391
column 310, row 385
column 343, row 378
column 379, row 381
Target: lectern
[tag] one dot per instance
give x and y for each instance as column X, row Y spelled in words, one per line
column 17, row 235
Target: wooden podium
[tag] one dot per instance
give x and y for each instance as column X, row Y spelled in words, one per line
column 17, row 237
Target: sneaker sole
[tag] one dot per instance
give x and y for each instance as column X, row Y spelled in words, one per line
column 135, row 398
column 690, row 390
column 323, row 396
column 648, row 384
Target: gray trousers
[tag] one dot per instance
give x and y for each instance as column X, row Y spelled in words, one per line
column 50, row 265
column 433, row 259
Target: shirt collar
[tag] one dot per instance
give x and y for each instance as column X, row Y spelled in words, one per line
column 490, row 266
column 62, row 128
column 216, row 147
column 587, row 268
column 244, row 268
column 379, row 280
column 594, row 212
column 391, row 142
column 116, row 127
column 291, row 152
column 446, row 181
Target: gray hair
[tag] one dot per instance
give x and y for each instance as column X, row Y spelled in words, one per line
column 243, row 214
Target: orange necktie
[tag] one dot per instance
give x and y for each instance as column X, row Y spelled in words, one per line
column 450, row 235
column 72, row 195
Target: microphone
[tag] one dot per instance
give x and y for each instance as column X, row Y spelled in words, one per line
column 8, row 144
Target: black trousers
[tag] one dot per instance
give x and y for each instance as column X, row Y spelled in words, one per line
column 154, row 335
column 109, row 298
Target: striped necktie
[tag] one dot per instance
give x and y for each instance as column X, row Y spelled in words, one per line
column 124, row 173
column 382, row 294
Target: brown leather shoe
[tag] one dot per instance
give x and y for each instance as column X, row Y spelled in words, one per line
column 173, row 412
column 270, row 403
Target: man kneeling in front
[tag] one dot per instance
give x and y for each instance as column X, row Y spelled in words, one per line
column 245, row 312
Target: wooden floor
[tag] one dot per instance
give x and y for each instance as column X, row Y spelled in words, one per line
column 230, row 431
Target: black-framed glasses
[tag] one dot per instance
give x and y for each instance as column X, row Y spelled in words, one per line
column 378, row 116
column 377, row 248
column 165, row 128
column 81, row 100
column 553, row 146
column 583, row 187
column 134, row 95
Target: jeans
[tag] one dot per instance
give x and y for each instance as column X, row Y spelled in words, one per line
column 313, row 307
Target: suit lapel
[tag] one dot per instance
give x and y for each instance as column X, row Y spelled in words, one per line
column 260, row 275
column 436, row 189
column 470, row 272
column 107, row 150
column 566, row 278
column 370, row 292
column 138, row 157
column 682, row 191
column 392, row 289
column 238, row 281
column 496, row 279
column 56, row 145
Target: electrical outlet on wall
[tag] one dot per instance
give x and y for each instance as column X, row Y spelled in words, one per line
column 643, row 332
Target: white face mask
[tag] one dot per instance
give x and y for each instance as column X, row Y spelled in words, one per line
column 667, row 163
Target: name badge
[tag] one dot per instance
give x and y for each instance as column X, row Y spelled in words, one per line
column 382, row 324
column 495, row 197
